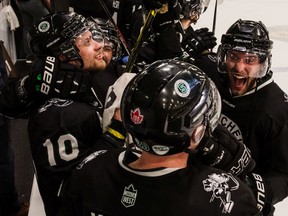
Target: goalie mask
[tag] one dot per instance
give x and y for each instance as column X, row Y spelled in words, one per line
column 56, row 33
column 250, row 38
column 163, row 105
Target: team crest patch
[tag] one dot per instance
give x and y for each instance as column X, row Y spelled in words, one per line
column 182, row 88
column 129, row 196
column 221, row 186
column 136, row 116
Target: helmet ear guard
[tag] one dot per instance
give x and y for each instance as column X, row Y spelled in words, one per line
column 165, row 106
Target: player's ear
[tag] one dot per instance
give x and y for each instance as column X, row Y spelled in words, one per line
column 197, row 135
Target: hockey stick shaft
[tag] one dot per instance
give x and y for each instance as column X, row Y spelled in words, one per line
column 215, row 16
column 122, row 39
column 145, row 29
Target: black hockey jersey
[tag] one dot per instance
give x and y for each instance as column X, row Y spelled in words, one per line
column 259, row 118
column 61, row 134
column 105, row 185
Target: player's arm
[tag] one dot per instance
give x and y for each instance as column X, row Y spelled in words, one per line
column 222, row 150
column 115, row 134
column 262, row 192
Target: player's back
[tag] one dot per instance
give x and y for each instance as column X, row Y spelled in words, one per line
column 61, row 134
column 105, row 185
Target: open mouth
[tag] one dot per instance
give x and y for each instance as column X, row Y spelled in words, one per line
column 239, row 80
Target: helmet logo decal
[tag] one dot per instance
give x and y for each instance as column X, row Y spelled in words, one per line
column 136, row 116
column 160, row 149
column 182, row 88
column 129, row 196
column 44, row 26
column 142, row 145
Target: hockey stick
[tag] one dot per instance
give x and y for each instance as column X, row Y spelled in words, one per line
column 214, row 17
column 5, row 57
column 145, row 29
column 122, row 39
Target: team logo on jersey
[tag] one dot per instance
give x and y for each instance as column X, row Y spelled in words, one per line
column 221, row 186
column 136, row 116
column 182, row 88
column 129, row 196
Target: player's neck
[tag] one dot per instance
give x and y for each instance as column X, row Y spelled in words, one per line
column 150, row 161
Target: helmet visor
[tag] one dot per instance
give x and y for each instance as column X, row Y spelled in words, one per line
column 255, row 61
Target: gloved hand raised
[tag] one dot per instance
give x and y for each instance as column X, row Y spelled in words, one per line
column 222, row 150
column 153, row 4
column 53, row 78
column 196, row 42
column 167, row 12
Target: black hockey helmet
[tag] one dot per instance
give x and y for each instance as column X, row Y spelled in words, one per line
column 56, row 33
column 163, row 105
column 190, row 7
column 249, row 37
column 112, row 37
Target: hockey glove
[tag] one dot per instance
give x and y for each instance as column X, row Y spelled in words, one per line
column 222, row 150
column 167, row 18
column 261, row 192
column 116, row 134
column 53, row 78
column 153, row 4
column 196, row 42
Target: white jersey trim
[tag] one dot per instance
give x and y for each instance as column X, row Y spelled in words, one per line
column 154, row 173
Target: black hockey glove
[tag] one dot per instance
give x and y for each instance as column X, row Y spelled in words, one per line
column 168, row 18
column 261, row 192
column 196, row 42
column 116, row 134
column 222, row 150
column 53, row 78
column 153, row 4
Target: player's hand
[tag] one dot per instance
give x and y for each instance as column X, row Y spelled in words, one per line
column 153, row 4
column 222, row 150
column 53, row 78
column 167, row 15
column 196, row 42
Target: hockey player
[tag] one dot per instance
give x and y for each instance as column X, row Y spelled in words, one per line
column 166, row 108
column 254, row 107
column 63, row 132
column 127, row 15
column 194, row 42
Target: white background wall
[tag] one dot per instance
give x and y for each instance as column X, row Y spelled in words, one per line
column 274, row 14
